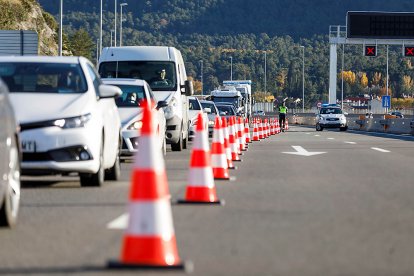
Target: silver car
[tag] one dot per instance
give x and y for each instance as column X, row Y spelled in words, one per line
column 10, row 161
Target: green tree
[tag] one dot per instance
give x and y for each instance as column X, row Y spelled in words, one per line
column 81, row 44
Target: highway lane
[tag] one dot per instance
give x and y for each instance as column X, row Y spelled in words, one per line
column 348, row 211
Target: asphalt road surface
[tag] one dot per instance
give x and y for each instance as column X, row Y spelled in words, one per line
column 303, row 203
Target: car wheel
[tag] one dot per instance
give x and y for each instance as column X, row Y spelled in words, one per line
column 94, row 179
column 10, row 208
column 185, row 143
column 345, row 128
column 179, row 145
column 319, row 127
column 114, row 173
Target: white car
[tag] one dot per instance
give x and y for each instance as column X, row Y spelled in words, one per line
column 9, row 163
column 134, row 91
column 68, row 118
column 194, row 109
column 331, row 117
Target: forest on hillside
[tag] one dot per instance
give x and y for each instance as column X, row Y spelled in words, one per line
column 218, row 32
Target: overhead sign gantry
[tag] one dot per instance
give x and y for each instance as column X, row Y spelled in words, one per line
column 370, row 29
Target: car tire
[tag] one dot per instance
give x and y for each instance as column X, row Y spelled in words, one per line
column 94, row 179
column 345, row 128
column 185, row 143
column 10, row 208
column 179, row 145
column 319, row 127
column 114, row 173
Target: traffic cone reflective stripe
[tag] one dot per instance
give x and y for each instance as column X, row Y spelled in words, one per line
column 218, row 153
column 200, row 187
column 240, row 133
column 261, row 129
column 255, row 133
column 149, row 240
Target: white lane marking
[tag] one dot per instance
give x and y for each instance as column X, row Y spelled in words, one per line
column 301, row 151
column 307, row 133
column 119, row 223
column 330, row 138
column 380, row 150
column 317, row 135
column 352, row 143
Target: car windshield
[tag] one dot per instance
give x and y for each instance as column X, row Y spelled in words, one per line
column 211, row 106
column 331, row 111
column 226, row 109
column 132, row 96
column 40, row 77
column 160, row 75
column 194, row 104
column 231, row 100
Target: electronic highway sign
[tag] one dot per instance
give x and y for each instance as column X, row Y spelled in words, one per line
column 380, row 25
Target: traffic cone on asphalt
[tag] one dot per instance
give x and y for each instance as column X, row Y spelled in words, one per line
column 240, row 133
column 255, row 131
column 260, row 129
column 226, row 143
column 277, row 126
column 149, row 240
column 200, row 188
column 233, row 142
column 247, row 130
column 218, row 153
column 287, row 125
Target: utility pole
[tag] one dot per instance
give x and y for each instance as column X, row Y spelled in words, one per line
column 116, row 15
column 202, row 83
column 60, row 27
column 121, row 20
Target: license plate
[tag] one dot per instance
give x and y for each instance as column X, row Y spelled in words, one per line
column 28, row 146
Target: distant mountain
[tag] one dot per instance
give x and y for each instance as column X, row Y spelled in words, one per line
column 296, row 18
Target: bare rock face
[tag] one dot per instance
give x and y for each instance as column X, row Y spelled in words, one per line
column 28, row 15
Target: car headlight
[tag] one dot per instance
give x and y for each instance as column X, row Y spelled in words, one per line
column 137, row 125
column 73, row 122
column 211, row 123
column 169, row 110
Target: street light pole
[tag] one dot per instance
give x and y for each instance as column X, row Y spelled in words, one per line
column 60, row 26
column 121, row 20
column 387, row 81
column 265, row 74
column 231, row 68
column 342, row 77
column 116, row 5
column 100, row 29
column 202, row 83
column 303, row 79
column 112, row 31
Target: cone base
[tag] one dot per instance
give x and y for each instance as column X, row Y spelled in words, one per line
column 218, row 202
column 233, row 168
column 117, row 265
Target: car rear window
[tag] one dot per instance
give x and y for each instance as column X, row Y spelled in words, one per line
column 43, row 77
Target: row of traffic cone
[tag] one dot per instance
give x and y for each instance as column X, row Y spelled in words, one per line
column 149, row 241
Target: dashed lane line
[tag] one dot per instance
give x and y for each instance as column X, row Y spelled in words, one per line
column 380, row 150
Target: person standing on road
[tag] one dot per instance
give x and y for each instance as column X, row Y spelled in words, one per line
column 282, row 115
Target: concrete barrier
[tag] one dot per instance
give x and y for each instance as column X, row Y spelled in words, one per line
column 356, row 122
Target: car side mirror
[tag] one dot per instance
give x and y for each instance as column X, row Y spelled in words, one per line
column 207, row 110
column 188, row 88
column 161, row 104
column 109, row 91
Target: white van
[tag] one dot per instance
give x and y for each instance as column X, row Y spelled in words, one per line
column 163, row 68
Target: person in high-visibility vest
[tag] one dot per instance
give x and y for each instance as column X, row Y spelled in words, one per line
column 282, row 115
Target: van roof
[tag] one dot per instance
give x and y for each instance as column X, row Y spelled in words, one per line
column 149, row 53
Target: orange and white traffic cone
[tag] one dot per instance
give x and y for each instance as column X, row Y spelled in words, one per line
column 261, row 129
column 255, row 131
column 218, row 153
column 247, row 131
column 287, row 125
column 227, row 143
column 200, row 188
column 149, row 240
column 277, row 126
column 233, row 141
column 240, row 133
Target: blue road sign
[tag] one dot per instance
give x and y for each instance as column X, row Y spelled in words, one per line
column 386, row 101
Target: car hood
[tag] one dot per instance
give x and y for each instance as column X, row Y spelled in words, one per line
column 128, row 114
column 163, row 96
column 37, row 107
